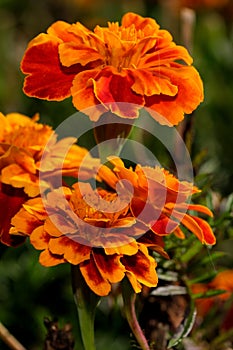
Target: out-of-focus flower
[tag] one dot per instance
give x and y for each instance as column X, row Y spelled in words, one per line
column 135, row 62
column 23, row 142
column 11, row 200
column 222, row 281
column 160, row 200
column 201, row 4
column 74, row 234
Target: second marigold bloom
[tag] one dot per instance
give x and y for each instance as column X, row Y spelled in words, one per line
column 160, row 201
column 135, row 63
column 67, row 233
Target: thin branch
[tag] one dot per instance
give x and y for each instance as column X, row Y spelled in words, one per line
column 9, row 339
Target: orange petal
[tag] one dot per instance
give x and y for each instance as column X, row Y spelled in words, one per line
column 179, row 233
column 165, row 56
column 94, row 279
column 47, row 259
column 72, row 53
column 83, row 94
column 143, row 267
column 188, row 97
column 201, row 209
column 146, row 83
column 137, row 287
column 208, row 236
column 109, row 266
column 147, row 25
column 39, row 238
column 46, row 78
column 191, row 224
column 72, row 251
column 111, row 88
column 128, row 249
column 17, row 177
column 24, row 222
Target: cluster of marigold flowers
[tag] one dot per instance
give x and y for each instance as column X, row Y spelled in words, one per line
column 110, row 231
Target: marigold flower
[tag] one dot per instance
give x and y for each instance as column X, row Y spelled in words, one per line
column 222, row 281
column 23, row 142
column 103, row 258
column 164, row 197
column 135, row 62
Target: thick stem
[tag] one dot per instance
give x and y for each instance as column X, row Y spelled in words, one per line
column 86, row 302
column 129, row 298
column 111, row 136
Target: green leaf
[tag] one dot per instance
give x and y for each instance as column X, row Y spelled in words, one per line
column 208, row 294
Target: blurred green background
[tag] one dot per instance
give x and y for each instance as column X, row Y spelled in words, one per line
column 29, row 292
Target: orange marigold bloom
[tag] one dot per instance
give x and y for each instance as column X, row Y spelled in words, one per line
column 135, row 62
column 23, row 141
column 103, row 258
column 160, row 200
column 222, row 281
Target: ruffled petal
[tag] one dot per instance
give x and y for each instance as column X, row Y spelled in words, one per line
column 109, row 266
column 96, row 282
column 46, row 78
column 188, row 97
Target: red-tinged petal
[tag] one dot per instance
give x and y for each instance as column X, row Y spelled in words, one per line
column 73, row 252
column 46, row 78
column 143, row 267
column 208, row 236
column 24, row 223
column 109, row 266
column 47, row 259
column 61, row 30
column 179, row 233
column 83, row 94
column 193, row 226
column 165, row 56
column 137, row 287
column 111, row 88
column 146, row 83
column 188, row 97
column 164, row 225
column 200, row 208
column 72, row 53
column 94, row 279
column 39, row 238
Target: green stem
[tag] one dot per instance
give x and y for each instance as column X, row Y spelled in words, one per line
column 129, row 298
column 86, row 302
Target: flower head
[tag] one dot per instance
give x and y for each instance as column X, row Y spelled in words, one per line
column 94, row 239
column 24, row 143
column 135, row 62
column 160, row 200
